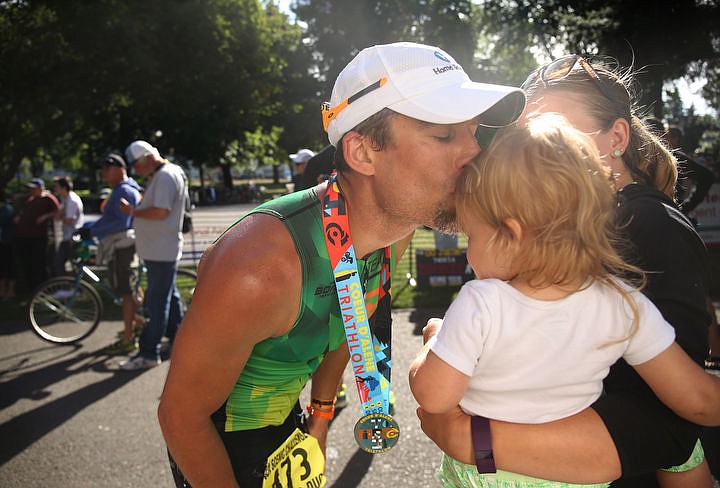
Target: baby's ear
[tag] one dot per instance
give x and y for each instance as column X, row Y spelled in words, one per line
column 514, row 227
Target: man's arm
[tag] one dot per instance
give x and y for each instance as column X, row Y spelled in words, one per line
column 151, row 213
column 324, row 387
column 248, row 290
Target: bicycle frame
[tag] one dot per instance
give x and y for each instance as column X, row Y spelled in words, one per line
column 85, row 270
column 66, row 309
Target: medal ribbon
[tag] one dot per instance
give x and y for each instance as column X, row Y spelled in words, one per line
column 365, row 316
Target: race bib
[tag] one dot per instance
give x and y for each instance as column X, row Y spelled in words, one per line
column 297, row 463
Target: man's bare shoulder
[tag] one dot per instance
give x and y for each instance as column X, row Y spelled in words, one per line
column 252, row 237
column 253, row 271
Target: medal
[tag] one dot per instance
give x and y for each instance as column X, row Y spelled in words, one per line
column 376, row 433
column 367, row 322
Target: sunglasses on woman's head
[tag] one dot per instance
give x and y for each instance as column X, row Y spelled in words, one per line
column 561, row 68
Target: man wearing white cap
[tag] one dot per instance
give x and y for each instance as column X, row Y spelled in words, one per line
column 266, row 314
column 300, row 159
column 158, row 241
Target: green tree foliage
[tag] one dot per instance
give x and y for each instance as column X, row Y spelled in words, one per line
column 82, row 78
column 89, row 77
column 661, row 41
column 339, row 29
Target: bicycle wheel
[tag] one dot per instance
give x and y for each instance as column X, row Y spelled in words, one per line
column 63, row 311
column 186, row 280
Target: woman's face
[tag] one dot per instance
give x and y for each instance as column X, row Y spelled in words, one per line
column 570, row 106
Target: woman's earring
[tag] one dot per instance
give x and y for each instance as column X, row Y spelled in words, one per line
column 617, row 152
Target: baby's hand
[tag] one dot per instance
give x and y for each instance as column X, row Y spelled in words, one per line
column 431, row 328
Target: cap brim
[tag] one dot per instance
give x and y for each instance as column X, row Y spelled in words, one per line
column 493, row 105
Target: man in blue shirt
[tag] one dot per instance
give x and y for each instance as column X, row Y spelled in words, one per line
column 115, row 232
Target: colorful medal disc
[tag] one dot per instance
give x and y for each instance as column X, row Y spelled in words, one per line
column 376, row 433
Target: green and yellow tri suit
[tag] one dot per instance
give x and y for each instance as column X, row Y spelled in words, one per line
column 279, row 367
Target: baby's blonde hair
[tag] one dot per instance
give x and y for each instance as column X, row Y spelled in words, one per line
column 549, row 177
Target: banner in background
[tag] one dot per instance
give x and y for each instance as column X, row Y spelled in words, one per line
column 442, row 267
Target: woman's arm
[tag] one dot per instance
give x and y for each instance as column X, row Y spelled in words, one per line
column 683, row 386
column 576, row 449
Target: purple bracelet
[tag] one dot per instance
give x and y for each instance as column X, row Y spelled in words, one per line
column 482, row 445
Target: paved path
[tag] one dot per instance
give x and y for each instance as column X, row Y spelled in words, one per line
column 69, row 418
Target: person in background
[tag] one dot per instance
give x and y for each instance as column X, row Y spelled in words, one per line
column 7, row 258
column 71, row 216
column 265, row 317
column 158, row 241
column 31, row 232
column 694, row 179
column 116, row 247
column 103, row 195
column 319, row 167
column 300, row 160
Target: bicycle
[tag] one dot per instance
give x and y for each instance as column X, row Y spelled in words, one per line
column 67, row 309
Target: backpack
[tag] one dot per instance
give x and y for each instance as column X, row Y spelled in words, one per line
column 187, row 223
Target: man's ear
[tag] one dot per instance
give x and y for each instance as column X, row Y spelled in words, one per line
column 358, row 153
column 514, row 227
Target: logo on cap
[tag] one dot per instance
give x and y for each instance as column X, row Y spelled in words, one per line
column 441, row 56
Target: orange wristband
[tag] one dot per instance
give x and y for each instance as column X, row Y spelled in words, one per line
column 322, row 413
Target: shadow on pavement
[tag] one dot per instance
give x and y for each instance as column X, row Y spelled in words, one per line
column 23, row 430
column 13, row 327
column 355, row 470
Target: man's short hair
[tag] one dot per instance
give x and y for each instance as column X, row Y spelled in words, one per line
column 378, row 131
column 64, row 182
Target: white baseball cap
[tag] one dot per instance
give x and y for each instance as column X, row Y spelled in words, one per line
column 302, row 156
column 419, row 81
column 138, row 149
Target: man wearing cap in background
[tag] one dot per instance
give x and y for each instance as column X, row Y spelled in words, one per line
column 31, row 232
column 300, row 159
column 265, row 316
column 319, row 167
column 158, row 224
column 116, row 249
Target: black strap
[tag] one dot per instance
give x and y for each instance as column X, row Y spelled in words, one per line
column 482, row 445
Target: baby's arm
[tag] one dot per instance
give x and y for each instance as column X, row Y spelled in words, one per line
column 683, row 386
column 437, row 386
